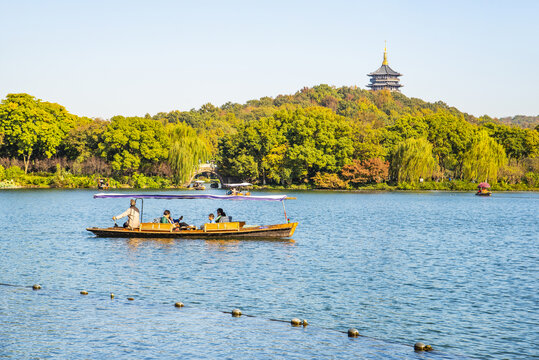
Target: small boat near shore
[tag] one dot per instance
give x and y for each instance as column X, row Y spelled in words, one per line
column 238, row 189
column 222, row 230
column 483, row 189
column 199, row 185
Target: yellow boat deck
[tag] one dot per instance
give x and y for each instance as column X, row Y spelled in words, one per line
column 236, row 229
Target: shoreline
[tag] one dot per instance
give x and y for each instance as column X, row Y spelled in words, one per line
column 267, row 188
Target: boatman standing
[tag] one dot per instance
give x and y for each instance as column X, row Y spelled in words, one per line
column 133, row 216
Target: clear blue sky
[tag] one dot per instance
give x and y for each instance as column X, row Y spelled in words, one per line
column 104, row 58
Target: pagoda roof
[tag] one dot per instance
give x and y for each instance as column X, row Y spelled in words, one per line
column 385, row 70
column 384, row 85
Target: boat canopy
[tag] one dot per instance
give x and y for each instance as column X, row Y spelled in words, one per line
column 485, row 185
column 237, row 185
column 193, row 196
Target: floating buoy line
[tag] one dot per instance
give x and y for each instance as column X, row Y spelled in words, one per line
column 295, row 322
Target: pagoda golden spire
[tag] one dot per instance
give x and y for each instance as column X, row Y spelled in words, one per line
column 385, row 54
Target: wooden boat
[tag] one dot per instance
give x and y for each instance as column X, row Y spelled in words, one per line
column 483, row 189
column 238, row 189
column 103, row 184
column 222, row 230
column 233, row 230
column 198, row 185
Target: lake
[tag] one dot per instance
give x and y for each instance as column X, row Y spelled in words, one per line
column 452, row 270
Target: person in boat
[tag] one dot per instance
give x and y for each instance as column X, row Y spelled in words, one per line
column 210, row 221
column 221, row 216
column 166, row 219
column 179, row 223
column 133, row 216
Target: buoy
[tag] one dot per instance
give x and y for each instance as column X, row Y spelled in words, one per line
column 305, row 323
column 111, row 295
column 178, row 304
column 236, row 312
column 419, row 346
column 295, row 322
column 130, row 299
column 36, row 287
column 353, row 332
column 84, row 292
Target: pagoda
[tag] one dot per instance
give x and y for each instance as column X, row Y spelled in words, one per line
column 385, row 78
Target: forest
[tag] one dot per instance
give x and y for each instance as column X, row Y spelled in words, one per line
column 321, row 137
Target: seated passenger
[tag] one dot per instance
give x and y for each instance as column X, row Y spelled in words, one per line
column 221, row 216
column 166, row 219
column 210, row 221
column 179, row 223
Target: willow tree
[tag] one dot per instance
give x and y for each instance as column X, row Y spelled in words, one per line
column 187, row 150
column 484, row 158
column 412, row 160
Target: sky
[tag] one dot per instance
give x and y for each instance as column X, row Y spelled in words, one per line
column 105, row 58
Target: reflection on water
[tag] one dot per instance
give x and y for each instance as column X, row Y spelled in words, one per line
column 134, row 243
column 449, row 269
column 219, row 244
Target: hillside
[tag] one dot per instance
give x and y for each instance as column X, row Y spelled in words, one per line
column 321, row 136
column 523, row 121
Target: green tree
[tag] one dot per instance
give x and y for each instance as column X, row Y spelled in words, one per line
column 450, row 136
column 484, row 158
column 32, row 128
column 187, row 150
column 518, row 143
column 275, row 165
column 82, row 142
column 318, row 141
column 532, row 143
column 367, row 142
column 412, row 160
column 406, row 127
column 255, row 151
column 134, row 143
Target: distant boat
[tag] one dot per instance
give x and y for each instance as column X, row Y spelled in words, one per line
column 103, row 184
column 483, row 189
column 238, row 189
column 198, row 185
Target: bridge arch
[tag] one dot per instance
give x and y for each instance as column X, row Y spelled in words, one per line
column 205, row 169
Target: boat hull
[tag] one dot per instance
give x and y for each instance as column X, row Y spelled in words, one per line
column 483, row 194
column 278, row 231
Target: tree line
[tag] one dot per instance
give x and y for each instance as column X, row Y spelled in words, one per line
column 322, row 136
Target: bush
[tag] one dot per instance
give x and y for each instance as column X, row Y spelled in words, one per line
column 459, row 185
column 329, row 181
column 35, row 180
column 405, row 186
column 13, row 173
column 372, row 170
column 141, row 181
column 380, row 186
column 432, row 185
column 511, row 174
column 532, row 179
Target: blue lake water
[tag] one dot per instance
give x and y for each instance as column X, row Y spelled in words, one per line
column 448, row 269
